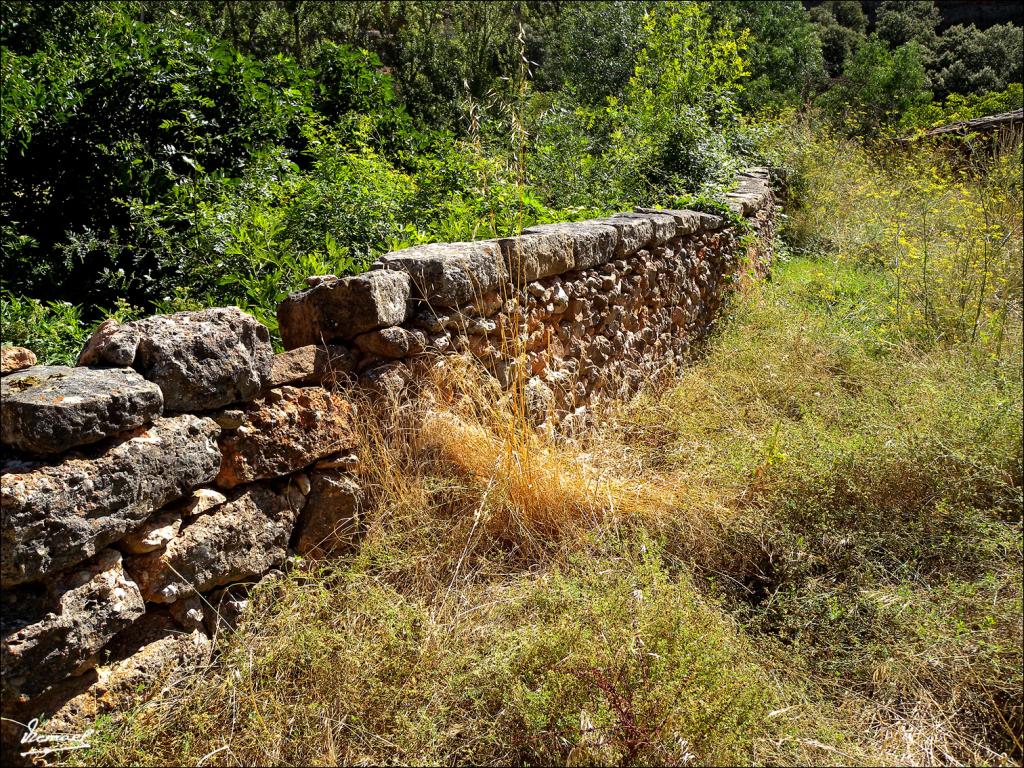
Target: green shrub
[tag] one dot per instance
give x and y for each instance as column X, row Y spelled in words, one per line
column 54, row 330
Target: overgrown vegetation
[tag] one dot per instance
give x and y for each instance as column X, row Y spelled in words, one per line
column 805, row 550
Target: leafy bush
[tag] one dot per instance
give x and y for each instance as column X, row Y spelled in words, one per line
column 54, row 330
column 118, row 118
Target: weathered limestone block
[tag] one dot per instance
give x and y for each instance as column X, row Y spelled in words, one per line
column 330, row 520
column 311, row 364
column 242, row 538
column 663, row 225
column 15, row 358
column 53, row 408
column 752, row 193
column 687, row 222
column 634, row 234
column 343, row 309
column 450, row 274
column 53, row 634
column 593, row 243
column 394, row 342
column 289, row 430
column 387, row 380
column 710, row 222
column 531, row 257
column 54, row 516
column 200, row 360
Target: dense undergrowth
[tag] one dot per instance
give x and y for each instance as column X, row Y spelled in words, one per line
column 807, row 549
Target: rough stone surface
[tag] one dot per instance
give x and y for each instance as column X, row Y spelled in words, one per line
column 343, row 309
column 143, row 659
column 224, row 609
column 53, row 408
column 530, row 257
column 634, row 234
column 450, row 274
column 188, row 613
column 312, row 364
column 330, row 520
column 593, row 243
column 200, row 360
column 663, row 225
column 199, row 501
column 241, row 539
column 392, row 342
column 154, row 534
column 284, row 434
column 52, row 634
column 687, row 222
column 15, row 358
column 57, row 515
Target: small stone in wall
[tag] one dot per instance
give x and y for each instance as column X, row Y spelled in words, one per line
column 388, row 380
column 15, row 358
column 394, row 342
column 55, row 632
column 223, row 609
column 312, row 364
column 188, row 613
column 281, row 437
column 200, row 360
column 52, row 408
column 330, row 521
column 154, row 534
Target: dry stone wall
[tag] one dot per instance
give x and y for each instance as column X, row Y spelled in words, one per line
column 181, row 461
column 574, row 312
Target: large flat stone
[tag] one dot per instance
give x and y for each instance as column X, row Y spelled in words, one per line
column 450, row 274
column 52, row 408
column 634, row 233
column 663, row 225
column 292, row 428
column 200, row 360
column 530, row 257
column 593, row 243
column 241, row 539
column 15, row 358
column 687, row 222
column 56, row 515
column 53, row 633
column 342, row 309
